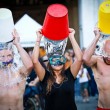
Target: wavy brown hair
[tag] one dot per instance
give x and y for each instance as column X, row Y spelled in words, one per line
column 51, row 80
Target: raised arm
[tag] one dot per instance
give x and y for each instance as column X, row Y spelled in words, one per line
column 75, row 67
column 88, row 57
column 28, row 65
column 40, row 71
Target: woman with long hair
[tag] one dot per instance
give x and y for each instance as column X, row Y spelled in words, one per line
column 58, row 83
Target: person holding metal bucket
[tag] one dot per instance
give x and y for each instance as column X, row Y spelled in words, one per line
column 57, row 83
column 14, row 66
column 100, row 63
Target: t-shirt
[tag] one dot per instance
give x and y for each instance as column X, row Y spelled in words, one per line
column 61, row 96
column 84, row 77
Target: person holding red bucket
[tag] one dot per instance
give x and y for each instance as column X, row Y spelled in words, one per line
column 57, row 83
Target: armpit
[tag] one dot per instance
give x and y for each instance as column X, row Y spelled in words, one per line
column 23, row 71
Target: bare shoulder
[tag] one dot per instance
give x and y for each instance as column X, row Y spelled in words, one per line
column 93, row 60
column 96, row 58
column 99, row 58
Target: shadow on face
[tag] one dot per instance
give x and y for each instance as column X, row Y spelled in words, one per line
column 106, row 52
column 107, row 46
column 6, row 55
column 57, row 67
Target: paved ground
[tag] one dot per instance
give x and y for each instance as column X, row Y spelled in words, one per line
column 91, row 105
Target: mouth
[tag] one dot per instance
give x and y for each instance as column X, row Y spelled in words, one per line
column 5, row 64
column 107, row 60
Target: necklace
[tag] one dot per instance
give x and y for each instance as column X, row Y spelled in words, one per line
column 56, row 85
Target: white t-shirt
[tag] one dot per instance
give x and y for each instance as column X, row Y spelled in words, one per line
column 84, row 77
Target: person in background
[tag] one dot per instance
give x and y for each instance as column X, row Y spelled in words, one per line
column 12, row 77
column 34, row 85
column 100, row 65
column 84, row 78
column 69, row 55
column 92, row 84
column 58, row 83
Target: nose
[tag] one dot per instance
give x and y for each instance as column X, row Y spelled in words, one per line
column 6, row 59
column 108, row 56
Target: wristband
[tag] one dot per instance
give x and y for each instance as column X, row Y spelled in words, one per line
column 37, row 44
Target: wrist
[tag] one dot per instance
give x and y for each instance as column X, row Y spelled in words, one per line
column 97, row 37
column 17, row 44
column 71, row 36
column 37, row 43
column 38, row 40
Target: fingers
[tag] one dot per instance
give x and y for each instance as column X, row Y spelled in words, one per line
column 15, row 33
column 97, row 32
column 15, row 30
column 96, row 29
column 39, row 34
column 71, row 30
column 39, row 31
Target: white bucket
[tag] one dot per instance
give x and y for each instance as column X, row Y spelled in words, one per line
column 6, row 25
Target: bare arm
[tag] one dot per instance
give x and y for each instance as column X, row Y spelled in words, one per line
column 76, row 65
column 28, row 65
column 67, row 56
column 88, row 57
column 40, row 71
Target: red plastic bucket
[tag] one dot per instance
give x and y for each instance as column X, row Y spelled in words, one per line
column 56, row 25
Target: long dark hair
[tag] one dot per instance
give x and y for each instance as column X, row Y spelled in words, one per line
column 51, row 80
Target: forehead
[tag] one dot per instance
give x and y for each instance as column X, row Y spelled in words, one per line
column 5, row 52
column 107, row 44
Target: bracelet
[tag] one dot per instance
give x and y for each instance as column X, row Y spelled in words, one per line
column 37, row 44
column 37, row 41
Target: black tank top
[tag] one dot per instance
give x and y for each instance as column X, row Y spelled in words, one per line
column 61, row 96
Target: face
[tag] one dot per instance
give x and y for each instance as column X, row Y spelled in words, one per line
column 57, row 67
column 106, row 51
column 6, row 55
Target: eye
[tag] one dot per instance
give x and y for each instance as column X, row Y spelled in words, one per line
column 2, row 56
column 9, row 55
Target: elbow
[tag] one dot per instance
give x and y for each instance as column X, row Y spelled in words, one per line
column 30, row 66
column 35, row 61
column 80, row 58
column 86, row 61
column 85, row 56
